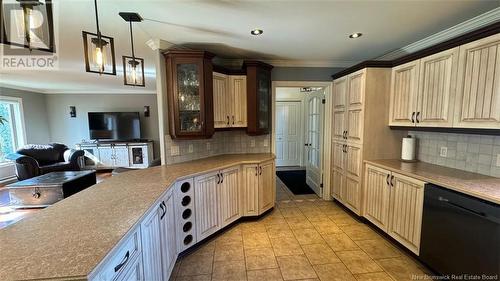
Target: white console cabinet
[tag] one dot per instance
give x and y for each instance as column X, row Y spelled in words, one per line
column 115, row 155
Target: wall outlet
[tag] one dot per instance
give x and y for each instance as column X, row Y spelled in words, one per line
column 191, row 149
column 266, row 143
column 209, row 146
column 174, row 150
column 444, row 151
column 498, row 160
column 252, row 143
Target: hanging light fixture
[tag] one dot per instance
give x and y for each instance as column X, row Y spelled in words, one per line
column 133, row 67
column 99, row 50
column 27, row 24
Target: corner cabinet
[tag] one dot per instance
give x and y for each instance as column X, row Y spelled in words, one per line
column 259, row 97
column 230, row 100
column 189, row 94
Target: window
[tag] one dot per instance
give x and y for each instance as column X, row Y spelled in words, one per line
column 12, row 128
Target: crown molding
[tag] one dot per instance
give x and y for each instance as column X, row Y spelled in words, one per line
column 447, row 34
column 310, row 63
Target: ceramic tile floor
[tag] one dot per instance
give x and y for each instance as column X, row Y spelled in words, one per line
column 301, row 239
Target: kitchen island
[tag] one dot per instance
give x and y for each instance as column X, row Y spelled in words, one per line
column 75, row 237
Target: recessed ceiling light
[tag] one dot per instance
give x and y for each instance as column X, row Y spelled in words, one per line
column 355, row 35
column 256, row 31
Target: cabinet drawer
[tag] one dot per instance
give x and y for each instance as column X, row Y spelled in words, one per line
column 120, row 259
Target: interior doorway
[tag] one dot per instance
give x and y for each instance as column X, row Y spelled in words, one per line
column 298, row 138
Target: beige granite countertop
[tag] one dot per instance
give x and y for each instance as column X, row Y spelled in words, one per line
column 477, row 185
column 70, row 238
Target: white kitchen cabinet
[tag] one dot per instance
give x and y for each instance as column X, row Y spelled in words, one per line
column 405, row 211
column 134, row 273
column 159, row 250
column 267, row 186
column 404, row 94
column 478, row 85
column 238, row 100
column 259, row 188
column 354, row 121
column 207, row 200
column 337, row 183
column 347, row 168
column 339, row 107
column 250, row 192
column 221, row 97
column 436, row 91
column 118, row 154
column 394, row 203
column 185, row 217
column 230, row 197
column 377, row 190
column 230, row 100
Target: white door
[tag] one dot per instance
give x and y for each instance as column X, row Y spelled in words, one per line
column 314, row 137
column 288, row 136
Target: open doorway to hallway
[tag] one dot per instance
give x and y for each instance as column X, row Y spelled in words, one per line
column 298, row 138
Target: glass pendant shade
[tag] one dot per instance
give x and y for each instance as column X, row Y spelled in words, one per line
column 99, row 53
column 133, row 71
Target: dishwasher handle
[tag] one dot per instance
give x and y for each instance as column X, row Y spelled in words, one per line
column 481, row 214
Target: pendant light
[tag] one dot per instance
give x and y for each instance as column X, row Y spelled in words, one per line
column 99, row 50
column 133, row 67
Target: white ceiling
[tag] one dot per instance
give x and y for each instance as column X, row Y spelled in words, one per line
column 295, row 32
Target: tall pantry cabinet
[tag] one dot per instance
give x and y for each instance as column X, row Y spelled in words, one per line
column 360, row 131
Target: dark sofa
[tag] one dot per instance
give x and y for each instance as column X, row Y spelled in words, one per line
column 33, row 160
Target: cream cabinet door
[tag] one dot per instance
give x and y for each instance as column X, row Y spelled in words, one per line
column 404, row 93
column 338, row 150
column 337, row 184
column 478, row 84
column 405, row 209
column 206, row 194
column 221, row 97
column 353, row 155
column 250, row 194
column 267, row 186
column 238, row 100
column 352, row 194
column 152, row 252
column 134, row 273
column 354, row 118
column 169, row 236
column 339, row 107
column 376, row 196
column 229, row 203
column 436, row 96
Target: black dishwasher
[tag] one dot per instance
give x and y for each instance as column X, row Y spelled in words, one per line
column 460, row 233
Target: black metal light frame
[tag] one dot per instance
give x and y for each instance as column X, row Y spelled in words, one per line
column 102, row 40
column 50, row 23
column 130, row 18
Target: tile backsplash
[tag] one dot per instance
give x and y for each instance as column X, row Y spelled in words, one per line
column 474, row 153
column 223, row 142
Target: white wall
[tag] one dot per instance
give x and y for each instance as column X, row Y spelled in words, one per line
column 71, row 131
column 35, row 114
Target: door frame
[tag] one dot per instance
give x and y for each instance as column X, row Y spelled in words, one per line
column 301, row 128
column 327, row 126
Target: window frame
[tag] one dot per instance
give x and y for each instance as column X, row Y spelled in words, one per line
column 16, row 131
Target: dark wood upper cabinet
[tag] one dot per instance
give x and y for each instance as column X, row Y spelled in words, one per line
column 258, row 97
column 189, row 94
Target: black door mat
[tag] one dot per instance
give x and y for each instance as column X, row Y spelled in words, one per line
column 295, row 181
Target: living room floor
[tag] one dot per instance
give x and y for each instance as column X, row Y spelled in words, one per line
column 301, row 239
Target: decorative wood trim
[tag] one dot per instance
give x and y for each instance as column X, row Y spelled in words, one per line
column 448, row 44
column 229, row 71
column 491, row 132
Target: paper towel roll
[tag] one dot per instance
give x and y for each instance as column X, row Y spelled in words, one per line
column 408, row 149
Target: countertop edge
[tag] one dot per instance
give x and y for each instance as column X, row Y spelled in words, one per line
column 434, row 181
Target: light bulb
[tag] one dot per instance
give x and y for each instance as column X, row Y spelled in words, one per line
column 98, row 56
column 134, row 74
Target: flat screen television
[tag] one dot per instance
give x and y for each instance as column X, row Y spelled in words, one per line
column 114, row 126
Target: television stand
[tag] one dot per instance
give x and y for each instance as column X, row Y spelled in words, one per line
column 116, row 154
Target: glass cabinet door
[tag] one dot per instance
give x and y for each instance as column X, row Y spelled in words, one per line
column 263, row 92
column 188, row 97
